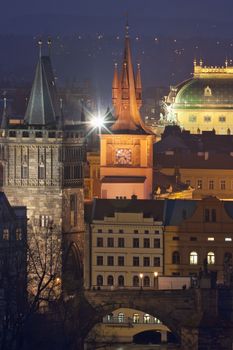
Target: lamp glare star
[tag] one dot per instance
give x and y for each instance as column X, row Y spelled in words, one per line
column 97, row 122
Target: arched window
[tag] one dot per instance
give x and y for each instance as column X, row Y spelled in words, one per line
column 135, row 281
column 121, row 281
column 110, row 280
column 211, row 258
column 176, row 257
column 146, row 281
column 193, row 258
column 121, row 317
column 136, row 318
column 99, row 280
column 146, row 318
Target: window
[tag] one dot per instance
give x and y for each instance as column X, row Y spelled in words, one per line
column 121, row 242
column 207, row 119
column 188, row 182
column 146, row 281
column 156, row 261
column 110, row 260
column 156, row 232
column 24, row 171
column 121, row 317
column 227, row 258
column 207, row 215
column 228, row 239
column 135, row 242
column 146, row 231
column 99, row 230
column 176, row 258
column 121, row 260
column 121, row 281
column 210, row 239
column 193, row 258
column 175, row 273
column 100, row 242
column 135, row 281
column 121, row 231
column 110, row 280
column 99, row 280
column 156, row 320
column 5, row 235
column 146, row 242
column 146, row 261
column 99, row 260
column 110, row 231
column 18, row 234
column 223, row 185
column 136, row 318
column 135, row 231
column 146, row 318
column 135, row 260
column 110, row 242
column 211, row 184
column 222, row 119
column 193, row 238
column 156, row 243
column 213, row 215
column 192, row 119
column 210, row 258
column 175, row 238
column 73, row 209
column 199, row 184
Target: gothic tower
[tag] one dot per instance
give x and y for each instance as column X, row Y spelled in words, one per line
column 126, row 154
column 42, row 163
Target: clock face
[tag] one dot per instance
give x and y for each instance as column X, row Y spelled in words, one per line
column 123, row 156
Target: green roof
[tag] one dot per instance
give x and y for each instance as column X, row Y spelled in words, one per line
column 192, row 94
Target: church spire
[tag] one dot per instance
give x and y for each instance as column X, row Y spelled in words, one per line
column 126, row 99
column 115, row 86
column 43, row 107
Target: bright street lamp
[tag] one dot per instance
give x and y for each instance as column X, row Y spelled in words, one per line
column 156, row 280
column 141, row 277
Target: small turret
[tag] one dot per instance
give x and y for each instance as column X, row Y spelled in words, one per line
column 4, row 122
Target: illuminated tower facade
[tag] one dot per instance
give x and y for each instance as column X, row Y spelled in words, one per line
column 42, row 165
column 126, row 154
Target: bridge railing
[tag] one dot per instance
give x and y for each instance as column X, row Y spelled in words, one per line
column 129, row 320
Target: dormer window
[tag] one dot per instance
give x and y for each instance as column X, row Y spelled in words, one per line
column 207, row 91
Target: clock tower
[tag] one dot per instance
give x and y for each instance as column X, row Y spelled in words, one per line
column 126, row 153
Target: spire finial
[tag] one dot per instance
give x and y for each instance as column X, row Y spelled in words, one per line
column 40, row 46
column 4, row 103
column 49, row 43
column 226, row 62
column 194, row 62
column 127, row 26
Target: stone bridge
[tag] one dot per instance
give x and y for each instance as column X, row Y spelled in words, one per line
column 201, row 318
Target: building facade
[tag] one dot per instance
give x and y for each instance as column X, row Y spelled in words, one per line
column 204, row 102
column 42, row 165
column 124, row 244
column 198, row 238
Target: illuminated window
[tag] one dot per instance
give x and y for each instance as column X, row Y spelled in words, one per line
column 18, row 234
column 176, row 258
column 228, row 239
column 121, row 281
column 192, row 119
column 207, row 119
column 121, row 317
column 193, row 258
column 211, row 258
column 156, row 320
column 5, row 235
column 110, row 280
column 135, row 281
column 207, row 91
column 222, row 119
column 146, row 318
column 210, row 238
column 136, row 318
column 199, row 184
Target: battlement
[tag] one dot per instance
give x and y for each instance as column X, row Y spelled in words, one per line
column 223, row 72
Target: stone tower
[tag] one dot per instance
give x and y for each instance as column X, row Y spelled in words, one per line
column 42, row 164
column 126, row 154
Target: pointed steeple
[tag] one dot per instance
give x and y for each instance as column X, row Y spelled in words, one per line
column 4, row 122
column 127, row 103
column 115, row 86
column 139, row 86
column 42, row 109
